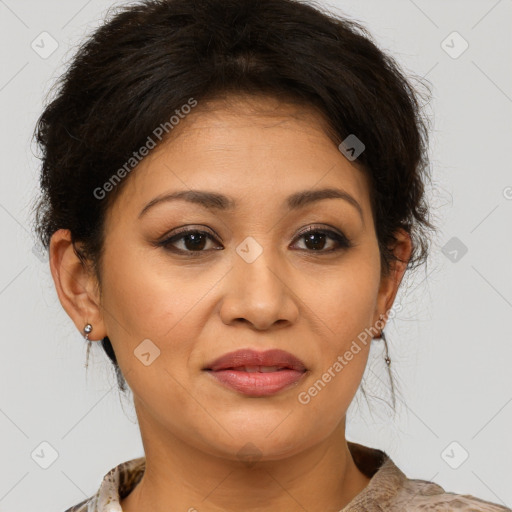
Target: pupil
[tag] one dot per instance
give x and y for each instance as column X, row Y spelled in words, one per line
column 197, row 241
column 319, row 242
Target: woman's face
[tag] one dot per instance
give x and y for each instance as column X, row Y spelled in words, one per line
column 247, row 278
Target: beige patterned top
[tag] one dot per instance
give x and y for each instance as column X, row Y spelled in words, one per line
column 388, row 490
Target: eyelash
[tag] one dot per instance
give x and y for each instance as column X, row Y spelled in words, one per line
column 343, row 242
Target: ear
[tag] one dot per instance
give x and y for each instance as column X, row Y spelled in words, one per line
column 76, row 285
column 389, row 284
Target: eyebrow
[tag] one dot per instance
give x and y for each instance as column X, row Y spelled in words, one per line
column 216, row 201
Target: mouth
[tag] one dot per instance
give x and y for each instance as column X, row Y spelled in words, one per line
column 257, row 374
column 254, row 361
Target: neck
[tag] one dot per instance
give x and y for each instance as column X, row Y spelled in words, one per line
column 178, row 476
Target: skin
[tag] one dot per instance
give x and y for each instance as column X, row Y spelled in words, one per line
column 311, row 303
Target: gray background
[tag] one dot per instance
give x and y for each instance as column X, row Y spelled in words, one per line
column 450, row 341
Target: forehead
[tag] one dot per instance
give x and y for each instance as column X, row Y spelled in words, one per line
column 246, row 145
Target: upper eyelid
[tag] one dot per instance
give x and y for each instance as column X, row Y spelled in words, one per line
column 203, row 229
column 186, row 230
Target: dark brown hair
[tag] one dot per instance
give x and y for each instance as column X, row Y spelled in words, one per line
column 151, row 57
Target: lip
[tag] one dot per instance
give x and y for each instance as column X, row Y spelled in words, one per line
column 249, row 357
column 229, row 370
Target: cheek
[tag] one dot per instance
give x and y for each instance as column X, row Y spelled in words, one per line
column 143, row 299
column 344, row 301
column 345, row 307
column 148, row 295
column 343, row 304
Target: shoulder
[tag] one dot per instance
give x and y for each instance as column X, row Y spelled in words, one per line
column 390, row 489
column 117, row 483
column 422, row 495
column 83, row 506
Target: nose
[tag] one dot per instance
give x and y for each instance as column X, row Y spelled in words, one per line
column 256, row 293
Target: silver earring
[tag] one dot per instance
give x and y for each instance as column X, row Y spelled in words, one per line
column 87, row 330
column 387, row 358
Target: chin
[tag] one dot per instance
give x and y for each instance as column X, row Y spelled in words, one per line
column 256, row 444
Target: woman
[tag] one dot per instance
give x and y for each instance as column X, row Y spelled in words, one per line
column 232, row 193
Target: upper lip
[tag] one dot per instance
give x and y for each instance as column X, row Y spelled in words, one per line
column 249, row 357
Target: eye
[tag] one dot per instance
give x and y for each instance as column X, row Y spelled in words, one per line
column 189, row 241
column 316, row 239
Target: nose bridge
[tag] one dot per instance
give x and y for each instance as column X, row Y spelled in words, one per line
column 256, row 291
column 259, row 276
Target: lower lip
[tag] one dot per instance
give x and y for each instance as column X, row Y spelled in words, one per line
column 257, row 383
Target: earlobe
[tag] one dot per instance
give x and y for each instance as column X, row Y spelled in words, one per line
column 76, row 286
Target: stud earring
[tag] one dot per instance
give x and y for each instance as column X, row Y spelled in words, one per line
column 87, row 330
